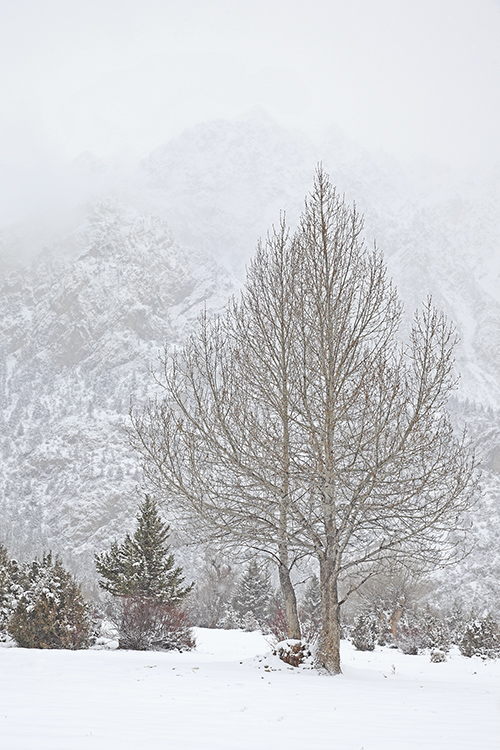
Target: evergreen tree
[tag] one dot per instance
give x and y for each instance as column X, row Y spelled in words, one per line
column 142, row 565
column 51, row 611
column 364, row 632
column 10, row 589
column 253, row 593
column 310, row 610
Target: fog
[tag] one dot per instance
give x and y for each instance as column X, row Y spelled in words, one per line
column 120, row 77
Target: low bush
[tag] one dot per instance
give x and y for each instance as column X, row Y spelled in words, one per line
column 364, row 632
column 410, row 637
column 437, row 656
column 293, row 652
column 276, row 621
column 481, row 637
column 148, row 625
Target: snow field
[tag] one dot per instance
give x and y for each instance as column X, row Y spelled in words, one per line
column 232, row 694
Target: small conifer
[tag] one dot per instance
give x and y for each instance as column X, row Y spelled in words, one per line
column 364, row 632
column 10, row 589
column 253, row 593
column 141, row 571
column 142, row 565
column 310, row 610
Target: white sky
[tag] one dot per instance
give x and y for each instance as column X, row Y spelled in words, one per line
column 120, row 77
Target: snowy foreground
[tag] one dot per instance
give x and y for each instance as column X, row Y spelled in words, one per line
column 232, row 693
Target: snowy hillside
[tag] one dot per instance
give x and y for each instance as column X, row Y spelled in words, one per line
column 81, row 328
column 83, row 322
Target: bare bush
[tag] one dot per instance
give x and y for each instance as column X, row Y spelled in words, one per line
column 146, row 625
column 293, row 652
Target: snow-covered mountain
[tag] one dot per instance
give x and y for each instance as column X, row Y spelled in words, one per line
column 222, row 185
column 80, row 329
column 83, row 322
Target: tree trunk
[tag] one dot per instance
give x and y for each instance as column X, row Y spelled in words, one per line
column 292, row 618
column 394, row 619
column 328, row 654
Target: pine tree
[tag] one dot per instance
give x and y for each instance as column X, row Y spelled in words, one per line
column 253, row 593
column 142, row 565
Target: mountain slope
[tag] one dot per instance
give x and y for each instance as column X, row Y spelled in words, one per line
column 81, row 328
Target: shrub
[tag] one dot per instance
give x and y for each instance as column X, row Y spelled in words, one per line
column 437, row 656
column 293, row 652
column 147, row 625
column 409, row 630
column 364, row 632
column 51, row 611
column 276, row 621
column 481, row 637
column 410, row 636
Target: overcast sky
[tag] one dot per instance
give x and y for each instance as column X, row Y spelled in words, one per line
column 119, row 77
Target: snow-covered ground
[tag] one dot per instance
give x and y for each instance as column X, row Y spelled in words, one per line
column 231, row 693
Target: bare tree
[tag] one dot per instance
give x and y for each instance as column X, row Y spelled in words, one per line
column 388, row 481
column 210, row 601
column 220, row 440
column 297, row 425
